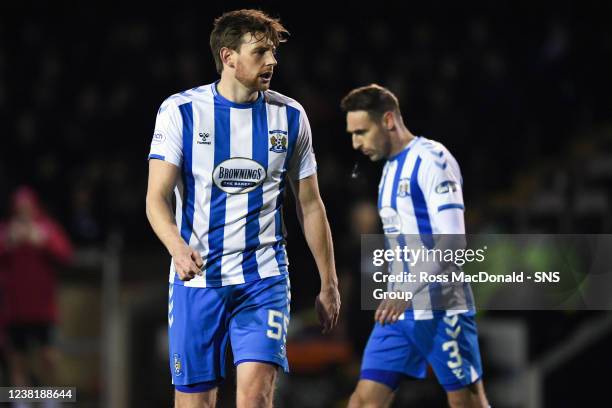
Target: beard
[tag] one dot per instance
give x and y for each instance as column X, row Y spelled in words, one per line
column 250, row 80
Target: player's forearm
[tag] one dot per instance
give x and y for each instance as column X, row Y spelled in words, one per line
column 319, row 239
column 161, row 218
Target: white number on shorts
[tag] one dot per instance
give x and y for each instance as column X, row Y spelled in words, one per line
column 454, row 354
column 276, row 328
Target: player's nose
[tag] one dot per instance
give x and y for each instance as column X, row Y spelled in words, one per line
column 271, row 60
column 356, row 143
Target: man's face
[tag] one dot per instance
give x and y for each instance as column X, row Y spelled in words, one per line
column 255, row 62
column 369, row 136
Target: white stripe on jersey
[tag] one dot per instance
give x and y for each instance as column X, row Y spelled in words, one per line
column 236, row 209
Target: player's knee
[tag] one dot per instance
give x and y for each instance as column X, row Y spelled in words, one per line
column 466, row 400
column 258, row 393
column 255, row 398
column 363, row 399
column 207, row 399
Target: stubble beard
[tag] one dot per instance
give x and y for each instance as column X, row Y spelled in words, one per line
column 250, row 82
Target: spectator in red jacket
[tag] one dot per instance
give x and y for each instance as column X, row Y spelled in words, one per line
column 32, row 245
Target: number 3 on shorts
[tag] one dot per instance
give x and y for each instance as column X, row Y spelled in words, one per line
column 278, row 324
column 453, row 354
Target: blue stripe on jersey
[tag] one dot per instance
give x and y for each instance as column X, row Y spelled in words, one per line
column 449, row 206
column 255, row 198
column 157, row 156
column 293, row 125
column 187, row 172
column 420, row 207
column 424, row 224
column 216, row 222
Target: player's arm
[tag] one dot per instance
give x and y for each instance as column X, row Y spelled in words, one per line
column 165, row 159
column 163, row 177
column 313, row 219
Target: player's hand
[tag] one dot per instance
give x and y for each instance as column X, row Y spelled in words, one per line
column 390, row 310
column 327, row 306
column 187, row 262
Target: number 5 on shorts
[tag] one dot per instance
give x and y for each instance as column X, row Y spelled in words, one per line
column 278, row 324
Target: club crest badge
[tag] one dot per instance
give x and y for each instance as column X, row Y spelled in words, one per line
column 278, row 141
column 403, row 187
column 178, row 366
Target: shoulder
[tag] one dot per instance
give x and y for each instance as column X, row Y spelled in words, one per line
column 431, row 151
column 196, row 94
column 277, row 98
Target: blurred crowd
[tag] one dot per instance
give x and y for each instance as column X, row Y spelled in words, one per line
column 505, row 88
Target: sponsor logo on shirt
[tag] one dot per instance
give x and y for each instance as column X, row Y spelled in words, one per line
column 238, row 175
column 446, row 187
column 158, row 138
column 203, row 138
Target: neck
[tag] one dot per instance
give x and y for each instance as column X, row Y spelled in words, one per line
column 399, row 140
column 231, row 89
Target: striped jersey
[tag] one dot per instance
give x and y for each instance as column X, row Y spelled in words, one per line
column 418, row 185
column 234, row 159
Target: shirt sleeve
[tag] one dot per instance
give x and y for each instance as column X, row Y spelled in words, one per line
column 167, row 143
column 442, row 186
column 303, row 162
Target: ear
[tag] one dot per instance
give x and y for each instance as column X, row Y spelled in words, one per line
column 388, row 120
column 228, row 57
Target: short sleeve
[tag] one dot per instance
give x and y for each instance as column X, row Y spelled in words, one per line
column 167, row 142
column 303, row 162
column 442, row 186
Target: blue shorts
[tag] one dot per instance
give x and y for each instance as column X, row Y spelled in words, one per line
column 253, row 316
column 448, row 344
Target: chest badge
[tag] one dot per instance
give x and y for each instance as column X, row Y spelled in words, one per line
column 403, row 187
column 278, row 141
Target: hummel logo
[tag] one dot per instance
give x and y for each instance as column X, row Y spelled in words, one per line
column 204, row 138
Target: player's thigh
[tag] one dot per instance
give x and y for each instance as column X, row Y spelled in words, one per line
column 451, row 347
column 259, row 323
column 255, row 383
column 197, row 334
column 205, row 399
column 370, row 393
column 472, row 396
column 391, row 349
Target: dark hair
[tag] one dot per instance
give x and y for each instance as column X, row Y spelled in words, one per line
column 374, row 99
column 231, row 26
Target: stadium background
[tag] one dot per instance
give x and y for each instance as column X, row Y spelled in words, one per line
column 519, row 93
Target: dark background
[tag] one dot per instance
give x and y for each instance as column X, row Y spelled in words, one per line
column 518, row 92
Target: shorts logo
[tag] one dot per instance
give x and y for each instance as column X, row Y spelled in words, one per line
column 403, row 187
column 178, row 366
column 278, row 140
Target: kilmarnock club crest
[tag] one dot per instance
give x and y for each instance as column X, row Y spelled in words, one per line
column 278, row 140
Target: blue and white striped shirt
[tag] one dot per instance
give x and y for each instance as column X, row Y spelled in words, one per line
column 418, row 186
column 234, row 159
